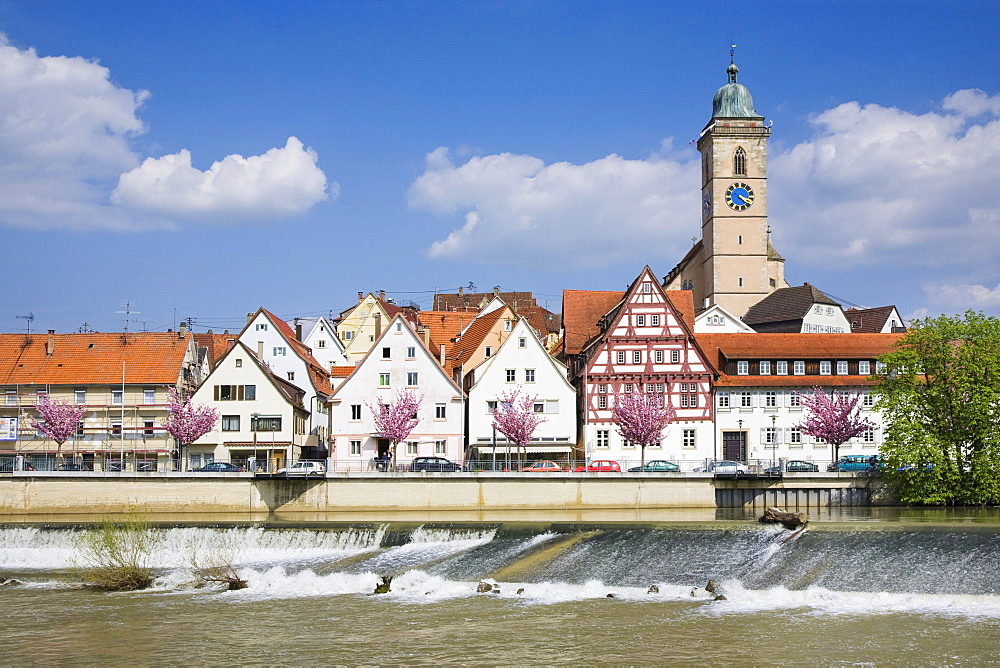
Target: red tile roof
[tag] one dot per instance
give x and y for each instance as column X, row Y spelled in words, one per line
column 319, row 377
column 445, row 326
column 475, row 335
column 216, row 344
column 92, row 359
column 797, row 346
column 342, row 371
column 582, row 311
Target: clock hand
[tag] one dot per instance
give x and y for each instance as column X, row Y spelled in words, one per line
column 748, row 201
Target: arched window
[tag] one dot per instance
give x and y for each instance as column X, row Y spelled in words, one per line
column 740, row 162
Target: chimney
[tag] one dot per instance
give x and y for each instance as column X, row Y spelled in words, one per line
column 360, row 296
column 443, row 356
column 249, row 318
column 461, row 291
column 298, row 329
column 427, row 336
column 260, row 350
column 381, row 295
column 50, row 343
column 182, row 330
column 211, row 331
column 496, row 291
column 378, row 325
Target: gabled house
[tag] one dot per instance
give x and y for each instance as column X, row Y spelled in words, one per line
column 522, row 364
column 880, row 320
column 399, row 360
column 717, row 320
column 524, row 305
column 761, row 378
column 361, row 325
column 123, row 381
column 800, row 309
column 321, row 338
column 263, row 417
column 480, row 340
column 442, row 329
column 276, row 345
column 645, row 342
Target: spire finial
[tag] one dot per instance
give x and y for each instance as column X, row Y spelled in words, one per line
column 732, row 70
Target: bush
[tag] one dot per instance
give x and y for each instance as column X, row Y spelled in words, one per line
column 114, row 555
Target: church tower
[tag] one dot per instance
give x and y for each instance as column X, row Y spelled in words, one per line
column 734, row 264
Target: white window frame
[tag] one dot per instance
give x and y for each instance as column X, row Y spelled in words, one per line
column 825, row 367
column 799, row 368
column 764, row 368
column 742, row 368
column 781, row 368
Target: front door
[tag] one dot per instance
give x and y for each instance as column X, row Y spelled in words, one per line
column 734, row 445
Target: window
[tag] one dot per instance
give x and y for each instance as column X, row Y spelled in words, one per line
column 261, row 327
column 647, row 288
column 684, row 401
column 799, row 368
column 723, row 399
column 117, row 397
column 867, row 400
column 230, row 423
column 741, row 281
column 650, row 388
column 628, row 388
column 864, row 368
column 239, row 363
column 770, row 435
column 659, row 388
column 781, row 368
column 742, row 367
column 841, row 367
column 739, row 240
column 879, row 367
column 116, row 429
column 440, row 411
column 770, row 399
column 491, row 407
column 602, row 401
column 291, row 375
column 529, row 375
column 824, row 368
column 522, row 342
column 79, row 396
column 11, row 396
column 818, row 310
column 321, row 343
column 488, row 352
column 739, row 162
column 440, row 447
column 148, row 427
column 511, row 375
column 795, row 436
column 348, row 335
column 399, row 326
column 508, row 325
column 868, row 436
column 602, row 389
column 249, row 392
column 636, row 357
column 687, row 440
column 621, row 357
column 411, row 447
column 411, row 352
column 829, row 310
column 765, row 368
column 552, row 406
column 654, row 320
column 280, row 351
column 383, row 380
column 386, row 353
column 355, row 448
column 693, row 398
column 355, row 411
column 411, row 378
column 746, row 400
column 795, row 400
column 602, row 438
column 675, row 356
column 538, row 407
column 265, row 423
column 640, row 321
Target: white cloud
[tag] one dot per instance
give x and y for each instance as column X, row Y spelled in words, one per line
column 973, row 296
column 879, row 185
column 518, row 209
column 281, row 182
column 66, row 134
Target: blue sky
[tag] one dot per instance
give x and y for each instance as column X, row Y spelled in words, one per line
column 206, row 158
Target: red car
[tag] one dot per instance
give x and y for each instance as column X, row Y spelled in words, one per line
column 599, row 466
column 543, row 466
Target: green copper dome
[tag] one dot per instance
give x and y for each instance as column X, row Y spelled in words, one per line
column 733, row 100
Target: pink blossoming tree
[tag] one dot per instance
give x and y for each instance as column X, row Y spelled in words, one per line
column 59, row 420
column 187, row 422
column 641, row 418
column 835, row 418
column 516, row 419
column 396, row 420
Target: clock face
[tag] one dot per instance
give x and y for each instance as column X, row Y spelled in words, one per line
column 706, row 205
column 739, row 196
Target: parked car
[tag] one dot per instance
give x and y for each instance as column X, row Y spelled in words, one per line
column 599, row 466
column 8, row 466
column 794, row 466
column 724, row 467
column 543, row 466
column 434, row 464
column 304, row 468
column 219, row 467
column 855, row 463
column 655, row 466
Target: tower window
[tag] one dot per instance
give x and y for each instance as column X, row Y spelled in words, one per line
column 740, row 162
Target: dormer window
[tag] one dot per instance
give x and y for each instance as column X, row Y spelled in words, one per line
column 740, row 162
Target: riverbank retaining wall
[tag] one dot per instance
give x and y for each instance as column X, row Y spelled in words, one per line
column 99, row 493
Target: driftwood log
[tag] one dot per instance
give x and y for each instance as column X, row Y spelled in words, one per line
column 786, row 519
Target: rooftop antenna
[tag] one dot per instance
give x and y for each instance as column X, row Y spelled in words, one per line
column 29, row 318
column 472, row 286
column 85, row 329
column 127, row 305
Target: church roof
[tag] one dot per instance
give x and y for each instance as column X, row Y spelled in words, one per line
column 786, row 304
column 733, row 100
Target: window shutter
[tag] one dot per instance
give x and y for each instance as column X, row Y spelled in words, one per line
column 216, row 392
column 239, row 392
column 763, row 435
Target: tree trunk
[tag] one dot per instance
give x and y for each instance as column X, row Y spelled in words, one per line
column 642, row 455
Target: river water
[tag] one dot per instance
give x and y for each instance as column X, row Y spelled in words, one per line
column 915, row 589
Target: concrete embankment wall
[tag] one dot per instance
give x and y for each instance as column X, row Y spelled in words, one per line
column 96, row 493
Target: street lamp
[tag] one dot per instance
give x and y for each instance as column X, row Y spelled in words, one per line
column 742, row 441
column 774, row 439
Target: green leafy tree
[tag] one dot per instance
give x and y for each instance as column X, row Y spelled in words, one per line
column 940, row 397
